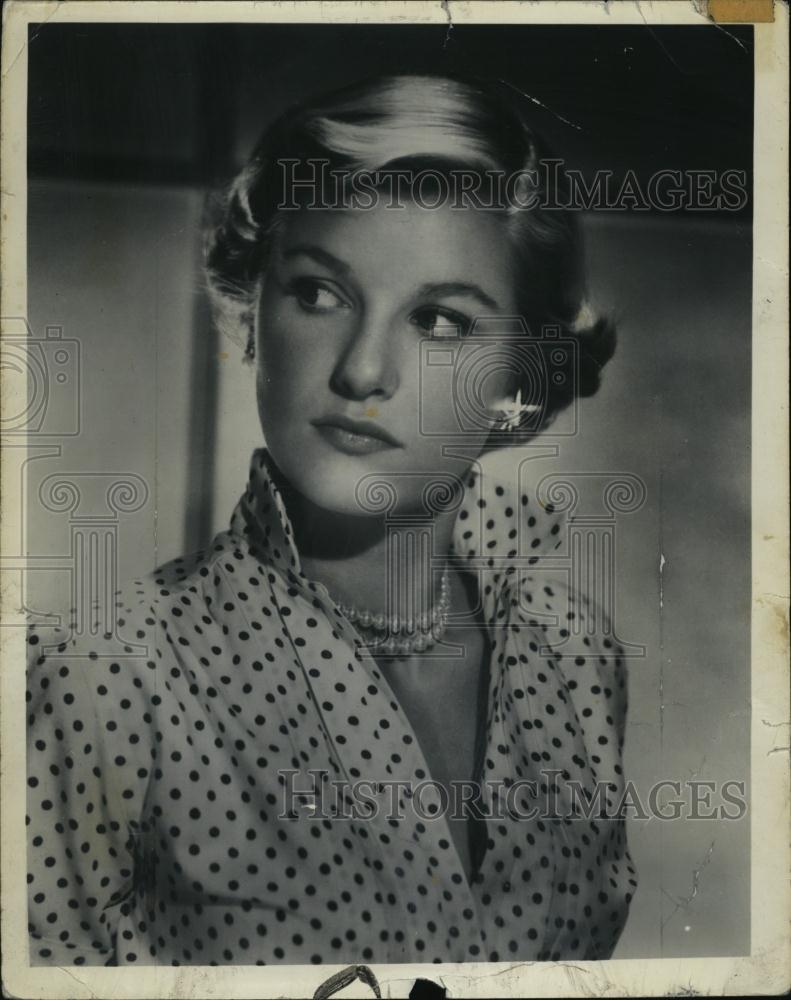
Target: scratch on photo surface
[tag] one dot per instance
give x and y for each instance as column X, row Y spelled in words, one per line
column 78, row 980
column 699, row 768
column 776, row 725
column 32, row 38
column 446, row 7
column 502, row 972
column 702, row 8
column 541, row 104
column 657, row 39
column 682, row 902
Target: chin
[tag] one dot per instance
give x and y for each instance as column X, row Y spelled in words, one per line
column 335, row 492
column 330, row 480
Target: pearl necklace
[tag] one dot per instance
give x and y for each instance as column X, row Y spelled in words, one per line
column 394, row 636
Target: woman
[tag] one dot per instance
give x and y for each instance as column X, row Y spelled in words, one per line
column 376, row 615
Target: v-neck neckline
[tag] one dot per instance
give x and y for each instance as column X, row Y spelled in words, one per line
column 484, row 723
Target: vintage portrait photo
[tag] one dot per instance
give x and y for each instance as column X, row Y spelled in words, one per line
column 394, row 459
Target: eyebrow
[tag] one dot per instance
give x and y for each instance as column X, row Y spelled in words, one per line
column 458, row 288
column 340, row 267
column 323, row 257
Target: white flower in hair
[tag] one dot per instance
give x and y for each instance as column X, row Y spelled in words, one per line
column 512, row 411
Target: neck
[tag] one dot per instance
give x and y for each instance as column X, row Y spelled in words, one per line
column 371, row 562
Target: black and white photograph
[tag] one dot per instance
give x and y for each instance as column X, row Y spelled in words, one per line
column 395, row 547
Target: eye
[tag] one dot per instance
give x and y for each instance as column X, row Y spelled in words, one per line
column 440, row 322
column 315, row 296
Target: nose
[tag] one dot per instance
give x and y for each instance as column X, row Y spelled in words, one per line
column 366, row 366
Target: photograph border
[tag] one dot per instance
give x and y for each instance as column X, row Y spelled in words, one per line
column 767, row 969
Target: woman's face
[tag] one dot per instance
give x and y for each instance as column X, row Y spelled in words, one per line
column 347, row 298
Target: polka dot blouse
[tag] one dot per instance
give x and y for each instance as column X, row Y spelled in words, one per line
column 157, row 828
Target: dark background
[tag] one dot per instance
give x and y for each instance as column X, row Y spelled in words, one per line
column 640, row 97
column 129, row 124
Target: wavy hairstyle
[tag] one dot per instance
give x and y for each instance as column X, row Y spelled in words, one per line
column 440, row 122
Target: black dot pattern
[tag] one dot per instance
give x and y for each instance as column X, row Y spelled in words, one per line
column 156, row 830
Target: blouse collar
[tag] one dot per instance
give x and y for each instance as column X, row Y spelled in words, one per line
column 261, row 517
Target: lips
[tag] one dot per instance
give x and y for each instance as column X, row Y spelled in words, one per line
column 355, row 437
column 364, row 427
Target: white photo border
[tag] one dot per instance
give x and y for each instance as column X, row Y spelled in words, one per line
column 767, row 969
